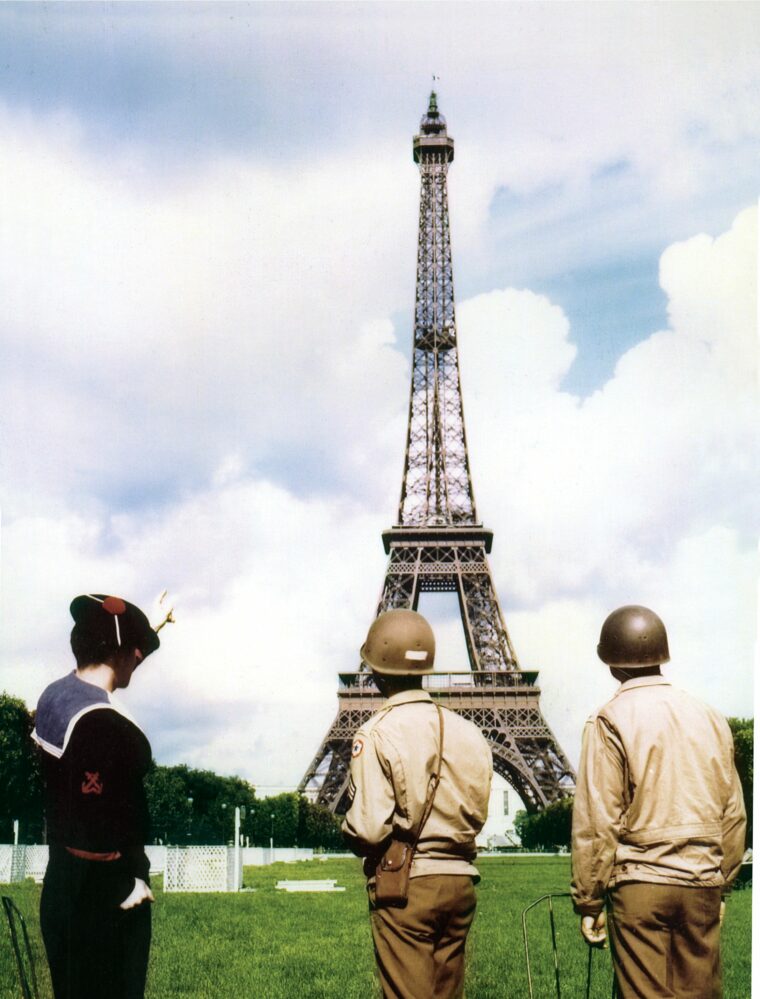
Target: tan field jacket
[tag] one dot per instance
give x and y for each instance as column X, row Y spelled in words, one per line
column 394, row 754
column 658, row 798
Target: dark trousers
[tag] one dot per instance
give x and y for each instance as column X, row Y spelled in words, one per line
column 420, row 949
column 665, row 941
column 95, row 949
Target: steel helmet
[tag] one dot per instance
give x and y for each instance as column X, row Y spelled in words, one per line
column 633, row 636
column 399, row 643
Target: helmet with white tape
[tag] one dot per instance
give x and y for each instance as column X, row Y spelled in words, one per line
column 399, row 643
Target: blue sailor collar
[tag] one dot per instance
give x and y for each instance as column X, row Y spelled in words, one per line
column 61, row 706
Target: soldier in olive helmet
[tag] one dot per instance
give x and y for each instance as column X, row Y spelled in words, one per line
column 658, row 821
column 419, row 775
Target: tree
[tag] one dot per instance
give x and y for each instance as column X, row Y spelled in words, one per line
column 20, row 776
column 276, row 818
column 548, row 829
column 168, row 804
column 523, row 829
column 197, row 806
column 318, row 826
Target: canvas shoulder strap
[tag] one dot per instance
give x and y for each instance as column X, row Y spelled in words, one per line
column 435, row 780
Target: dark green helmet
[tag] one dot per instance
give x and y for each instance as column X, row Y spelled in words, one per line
column 633, row 636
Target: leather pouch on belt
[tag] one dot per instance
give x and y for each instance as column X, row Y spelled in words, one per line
column 392, row 874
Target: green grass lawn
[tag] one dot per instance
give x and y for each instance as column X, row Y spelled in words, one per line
column 270, row 945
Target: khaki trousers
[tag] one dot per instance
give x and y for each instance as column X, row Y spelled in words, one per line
column 420, row 949
column 665, row 941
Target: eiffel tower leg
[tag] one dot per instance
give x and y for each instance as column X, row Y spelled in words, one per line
column 327, row 777
column 401, row 588
column 488, row 641
column 326, row 780
column 525, row 752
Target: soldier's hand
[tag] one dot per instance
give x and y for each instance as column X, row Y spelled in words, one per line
column 594, row 930
column 722, row 914
column 139, row 894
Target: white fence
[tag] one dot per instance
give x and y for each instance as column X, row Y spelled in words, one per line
column 6, row 863
column 185, row 868
column 20, row 862
column 157, row 857
column 203, row 868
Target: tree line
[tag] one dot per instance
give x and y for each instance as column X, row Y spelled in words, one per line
column 190, row 806
column 187, row 806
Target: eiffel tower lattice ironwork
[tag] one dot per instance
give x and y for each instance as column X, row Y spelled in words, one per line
column 439, row 545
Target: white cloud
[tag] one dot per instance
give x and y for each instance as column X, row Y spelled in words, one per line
column 269, row 603
column 168, row 327
column 593, row 485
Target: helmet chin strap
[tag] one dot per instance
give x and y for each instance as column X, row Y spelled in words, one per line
column 622, row 673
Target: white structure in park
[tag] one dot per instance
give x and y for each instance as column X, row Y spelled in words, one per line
column 503, row 804
column 203, row 868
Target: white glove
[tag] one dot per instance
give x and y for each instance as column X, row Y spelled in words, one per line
column 139, row 894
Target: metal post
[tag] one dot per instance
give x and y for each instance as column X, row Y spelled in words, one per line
column 237, row 848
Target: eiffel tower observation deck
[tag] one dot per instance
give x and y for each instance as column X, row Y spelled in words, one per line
column 439, row 545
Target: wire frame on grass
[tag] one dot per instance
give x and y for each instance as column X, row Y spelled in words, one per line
column 549, row 900
column 22, row 949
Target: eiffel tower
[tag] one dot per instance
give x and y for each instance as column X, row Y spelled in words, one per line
column 439, row 545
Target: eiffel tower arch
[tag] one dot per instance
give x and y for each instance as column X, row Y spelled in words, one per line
column 439, row 545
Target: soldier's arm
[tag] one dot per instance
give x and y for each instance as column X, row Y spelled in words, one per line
column 734, row 832
column 369, row 821
column 597, row 815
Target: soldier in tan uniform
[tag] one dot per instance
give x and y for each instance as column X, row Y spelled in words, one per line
column 419, row 947
column 658, row 821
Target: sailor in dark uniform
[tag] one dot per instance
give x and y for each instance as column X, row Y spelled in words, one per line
column 95, row 907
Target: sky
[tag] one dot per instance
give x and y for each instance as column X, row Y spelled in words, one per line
column 208, row 223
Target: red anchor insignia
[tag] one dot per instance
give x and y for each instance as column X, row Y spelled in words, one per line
column 93, row 784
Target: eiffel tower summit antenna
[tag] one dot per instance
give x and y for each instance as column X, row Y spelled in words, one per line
column 439, row 545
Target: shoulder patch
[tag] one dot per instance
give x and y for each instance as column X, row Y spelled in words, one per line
column 357, row 748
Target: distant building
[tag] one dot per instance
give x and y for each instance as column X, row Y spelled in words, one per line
column 499, row 830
